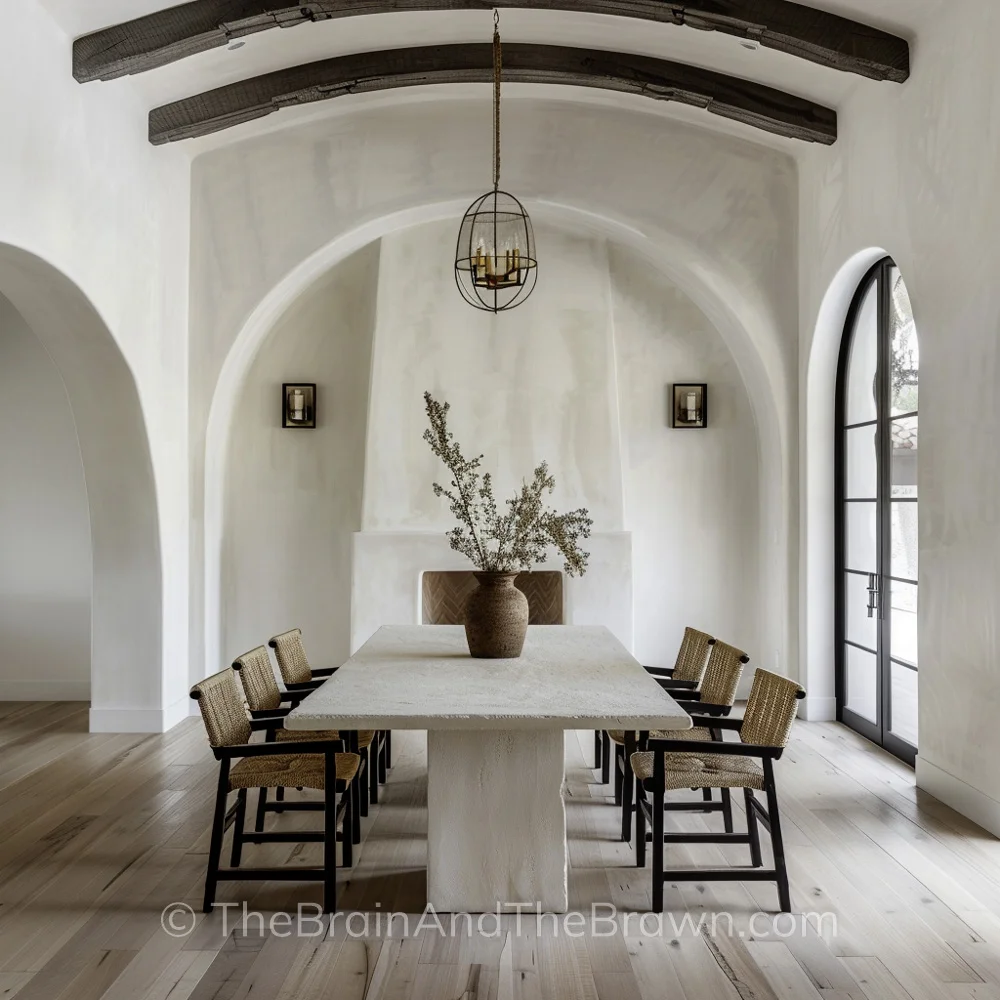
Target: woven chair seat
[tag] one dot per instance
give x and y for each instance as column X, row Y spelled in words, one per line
column 697, row 733
column 688, row 770
column 365, row 737
column 290, row 771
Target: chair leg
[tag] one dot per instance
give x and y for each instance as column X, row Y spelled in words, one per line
column 357, row 792
column 346, row 836
column 605, row 758
column 598, row 743
column 727, row 810
column 330, row 836
column 752, row 829
column 261, row 806
column 374, row 766
column 363, row 799
column 628, row 793
column 619, row 773
column 658, row 804
column 640, row 828
column 218, row 829
column 706, row 794
column 279, row 796
column 777, row 843
column 383, row 758
column 241, row 818
column 388, row 748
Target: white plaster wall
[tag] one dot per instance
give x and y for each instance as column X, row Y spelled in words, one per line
column 294, row 496
column 82, row 189
column 45, row 571
column 914, row 173
column 691, row 496
column 534, row 384
column 716, row 213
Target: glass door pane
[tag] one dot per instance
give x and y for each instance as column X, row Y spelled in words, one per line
column 904, row 349
column 862, row 683
column 903, row 622
column 862, row 537
column 860, row 402
column 903, row 695
column 903, row 435
column 904, row 541
column 862, row 463
column 861, row 629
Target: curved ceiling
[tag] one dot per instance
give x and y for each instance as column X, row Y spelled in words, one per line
column 271, row 51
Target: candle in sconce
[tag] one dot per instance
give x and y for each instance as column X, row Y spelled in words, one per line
column 297, row 404
column 692, row 407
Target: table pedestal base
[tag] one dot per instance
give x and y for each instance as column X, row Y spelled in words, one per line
column 496, row 820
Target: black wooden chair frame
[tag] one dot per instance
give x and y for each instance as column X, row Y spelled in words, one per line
column 235, row 816
column 271, row 722
column 376, row 768
column 652, row 813
column 602, row 742
column 625, row 782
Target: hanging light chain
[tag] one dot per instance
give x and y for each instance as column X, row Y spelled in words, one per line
column 497, row 67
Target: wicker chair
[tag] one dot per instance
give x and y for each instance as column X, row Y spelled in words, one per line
column 685, row 673
column 670, row 764
column 321, row 766
column 715, row 697
column 297, row 675
column 264, row 699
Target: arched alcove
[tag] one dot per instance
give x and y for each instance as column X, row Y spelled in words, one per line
column 126, row 614
column 743, row 323
column 44, row 525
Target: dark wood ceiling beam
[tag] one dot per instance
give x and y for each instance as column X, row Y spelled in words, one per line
column 730, row 97
column 168, row 35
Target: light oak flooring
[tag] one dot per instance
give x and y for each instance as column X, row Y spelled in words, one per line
column 99, row 833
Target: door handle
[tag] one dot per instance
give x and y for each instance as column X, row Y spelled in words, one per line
column 872, row 594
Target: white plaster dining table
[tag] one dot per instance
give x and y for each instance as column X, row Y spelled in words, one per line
column 496, row 829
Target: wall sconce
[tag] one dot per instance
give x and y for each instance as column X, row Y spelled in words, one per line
column 690, row 405
column 298, row 404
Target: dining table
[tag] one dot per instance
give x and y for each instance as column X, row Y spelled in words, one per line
column 496, row 729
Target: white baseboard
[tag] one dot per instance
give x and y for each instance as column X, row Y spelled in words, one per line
column 177, row 712
column 137, row 720
column 960, row 795
column 819, row 709
column 44, row 690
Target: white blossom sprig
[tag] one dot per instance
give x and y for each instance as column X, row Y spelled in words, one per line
column 516, row 540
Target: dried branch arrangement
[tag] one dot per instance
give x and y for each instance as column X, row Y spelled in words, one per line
column 498, row 542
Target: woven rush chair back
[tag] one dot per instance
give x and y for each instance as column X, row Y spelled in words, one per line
column 222, row 710
column 257, row 677
column 691, row 656
column 723, row 673
column 291, row 655
column 770, row 710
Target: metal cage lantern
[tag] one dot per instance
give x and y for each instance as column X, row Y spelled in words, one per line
column 495, row 263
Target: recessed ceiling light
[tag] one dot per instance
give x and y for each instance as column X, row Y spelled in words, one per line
column 235, row 44
column 749, row 43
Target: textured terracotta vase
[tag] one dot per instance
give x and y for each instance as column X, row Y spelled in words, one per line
column 496, row 617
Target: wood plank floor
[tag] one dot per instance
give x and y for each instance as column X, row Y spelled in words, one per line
column 99, row 833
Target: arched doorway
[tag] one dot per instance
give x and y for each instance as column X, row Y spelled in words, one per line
column 877, row 509
column 126, row 615
column 46, row 571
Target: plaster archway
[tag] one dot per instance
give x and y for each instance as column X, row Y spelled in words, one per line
column 126, row 613
column 818, row 510
column 740, row 316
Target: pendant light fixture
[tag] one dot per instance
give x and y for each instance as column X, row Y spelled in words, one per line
column 495, row 265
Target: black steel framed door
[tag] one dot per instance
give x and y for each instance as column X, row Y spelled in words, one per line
column 877, row 510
